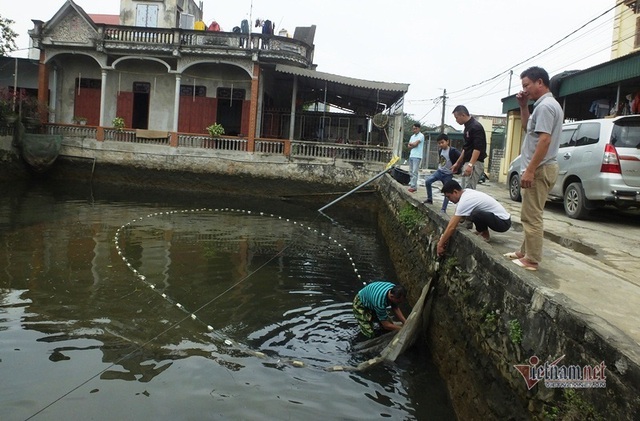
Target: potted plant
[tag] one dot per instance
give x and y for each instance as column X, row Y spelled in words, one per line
column 118, row 123
column 32, row 111
column 215, row 130
column 80, row 120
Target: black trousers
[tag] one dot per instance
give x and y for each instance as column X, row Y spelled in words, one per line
column 485, row 220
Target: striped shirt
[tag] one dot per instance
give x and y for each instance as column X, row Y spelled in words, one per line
column 374, row 297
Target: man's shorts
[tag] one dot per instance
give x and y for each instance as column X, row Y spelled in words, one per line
column 364, row 316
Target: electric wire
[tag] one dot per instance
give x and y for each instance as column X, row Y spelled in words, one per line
column 574, row 59
column 544, row 50
column 598, row 29
column 436, row 103
column 552, row 70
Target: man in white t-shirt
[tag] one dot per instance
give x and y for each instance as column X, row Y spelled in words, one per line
column 416, row 144
column 481, row 209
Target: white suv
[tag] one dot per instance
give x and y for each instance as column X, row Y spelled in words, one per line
column 599, row 164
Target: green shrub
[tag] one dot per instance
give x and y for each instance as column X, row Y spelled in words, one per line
column 215, row 130
column 410, row 217
column 118, row 123
column 515, row 331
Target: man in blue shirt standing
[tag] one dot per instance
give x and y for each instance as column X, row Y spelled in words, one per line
column 371, row 302
column 416, row 144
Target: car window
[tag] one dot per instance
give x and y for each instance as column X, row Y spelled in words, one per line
column 626, row 134
column 588, row 134
column 567, row 137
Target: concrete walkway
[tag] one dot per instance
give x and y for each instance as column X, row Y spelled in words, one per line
column 594, row 264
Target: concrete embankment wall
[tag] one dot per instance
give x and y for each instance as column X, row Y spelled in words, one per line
column 485, row 318
column 328, row 171
column 193, row 169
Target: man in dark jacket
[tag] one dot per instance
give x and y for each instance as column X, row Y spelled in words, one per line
column 474, row 150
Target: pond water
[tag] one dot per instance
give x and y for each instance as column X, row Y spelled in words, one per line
column 123, row 304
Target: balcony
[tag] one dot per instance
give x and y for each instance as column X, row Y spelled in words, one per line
column 179, row 42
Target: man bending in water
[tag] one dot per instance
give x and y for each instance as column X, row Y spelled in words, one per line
column 371, row 302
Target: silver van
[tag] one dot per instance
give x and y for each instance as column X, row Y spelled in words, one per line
column 599, row 164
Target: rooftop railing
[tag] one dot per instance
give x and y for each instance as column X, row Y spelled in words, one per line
column 204, row 42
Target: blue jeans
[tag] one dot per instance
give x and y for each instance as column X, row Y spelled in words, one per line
column 414, row 166
column 437, row 176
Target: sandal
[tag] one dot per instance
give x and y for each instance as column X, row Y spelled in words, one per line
column 525, row 266
column 512, row 255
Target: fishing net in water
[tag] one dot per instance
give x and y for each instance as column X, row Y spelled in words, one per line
column 40, row 150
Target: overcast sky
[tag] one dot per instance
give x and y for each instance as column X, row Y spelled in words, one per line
column 431, row 45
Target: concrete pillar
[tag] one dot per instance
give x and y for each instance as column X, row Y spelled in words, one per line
column 294, row 94
column 103, row 98
column 100, row 133
column 176, row 103
column 54, row 97
column 43, row 86
column 253, row 114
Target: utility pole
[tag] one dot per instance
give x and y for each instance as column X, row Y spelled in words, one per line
column 510, row 76
column 444, row 105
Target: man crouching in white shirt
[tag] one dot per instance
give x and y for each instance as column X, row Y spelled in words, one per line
column 478, row 207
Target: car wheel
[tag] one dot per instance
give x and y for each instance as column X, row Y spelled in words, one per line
column 575, row 202
column 514, row 188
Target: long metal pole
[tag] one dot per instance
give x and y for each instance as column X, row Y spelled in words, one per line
column 15, row 84
column 357, row 188
column 444, row 106
column 249, row 46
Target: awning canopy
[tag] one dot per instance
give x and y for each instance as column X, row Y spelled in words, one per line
column 578, row 89
column 361, row 96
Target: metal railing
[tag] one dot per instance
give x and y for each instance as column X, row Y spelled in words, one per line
column 270, row 146
column 139, row 35
column 340, row 151
column 291, row 148
column 6, row 130
column 125, row 37
column 207, row 142
column 70, row 130
column 119, row 135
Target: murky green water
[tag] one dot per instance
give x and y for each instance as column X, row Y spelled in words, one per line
column 83, row 335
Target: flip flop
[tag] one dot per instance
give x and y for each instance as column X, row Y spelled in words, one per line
column 512, row 255
column 485, row 239
column 522, row 265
